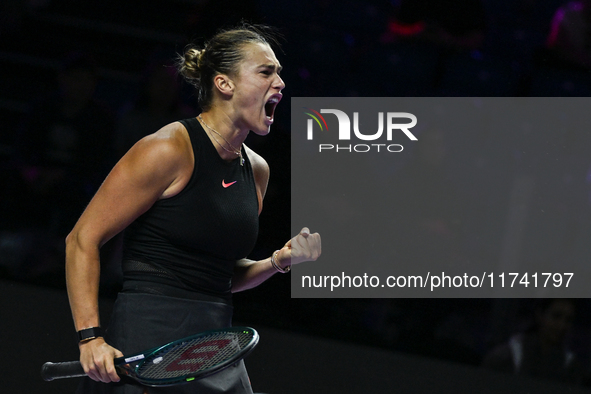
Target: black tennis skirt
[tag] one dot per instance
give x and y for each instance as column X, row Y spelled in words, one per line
column 142, row 321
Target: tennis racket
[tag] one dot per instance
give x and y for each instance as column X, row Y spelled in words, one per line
column 181, row 361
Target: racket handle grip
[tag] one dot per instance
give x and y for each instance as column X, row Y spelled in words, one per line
column 70, row 369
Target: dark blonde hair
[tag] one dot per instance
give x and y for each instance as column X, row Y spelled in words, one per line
column 220, row 55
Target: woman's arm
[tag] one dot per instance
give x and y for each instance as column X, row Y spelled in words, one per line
column 306, row 246
column 302, row 247
column 157, row 167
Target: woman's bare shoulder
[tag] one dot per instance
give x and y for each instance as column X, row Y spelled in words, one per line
column 258, row 163
column 172, row 135
column 171, row 144
column 163, row 155
column 260, row 171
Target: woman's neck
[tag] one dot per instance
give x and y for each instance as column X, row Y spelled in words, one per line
column 224, row 125
column 224, row 135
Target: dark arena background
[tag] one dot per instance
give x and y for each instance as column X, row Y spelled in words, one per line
column 96, row 76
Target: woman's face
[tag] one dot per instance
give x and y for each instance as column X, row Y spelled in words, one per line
column 257, row 88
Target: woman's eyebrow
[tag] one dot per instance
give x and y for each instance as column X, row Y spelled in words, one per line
column 272, row 67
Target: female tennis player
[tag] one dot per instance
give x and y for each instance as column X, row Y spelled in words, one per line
column 189, row 197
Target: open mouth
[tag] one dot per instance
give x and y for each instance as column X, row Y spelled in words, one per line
column 270, row 106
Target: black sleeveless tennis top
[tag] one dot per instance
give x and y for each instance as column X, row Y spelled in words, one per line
column 194, row 238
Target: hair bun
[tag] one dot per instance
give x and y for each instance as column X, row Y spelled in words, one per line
column 191, row 63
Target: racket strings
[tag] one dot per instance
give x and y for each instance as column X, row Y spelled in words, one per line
column 194, row 356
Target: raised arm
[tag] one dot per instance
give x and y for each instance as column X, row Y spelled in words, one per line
column 302, row 247
column 157, row 167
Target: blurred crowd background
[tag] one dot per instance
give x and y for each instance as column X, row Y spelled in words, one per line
column 83, row 81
